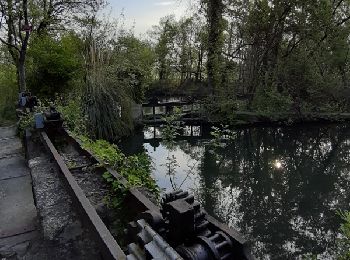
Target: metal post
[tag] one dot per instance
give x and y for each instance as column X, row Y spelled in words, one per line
column 154, row 113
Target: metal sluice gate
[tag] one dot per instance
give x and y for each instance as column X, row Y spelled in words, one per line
column 180, row 231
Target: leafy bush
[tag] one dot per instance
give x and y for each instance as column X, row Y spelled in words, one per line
column 222, row 108
column 117, row 192
column 271, row 101
column 26, row 121
column 73, row 115
column 220, row 134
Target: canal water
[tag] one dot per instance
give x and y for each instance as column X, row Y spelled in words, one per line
column 280, row 187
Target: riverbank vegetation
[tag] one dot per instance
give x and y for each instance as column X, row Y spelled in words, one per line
column 136, row 169
column 262, row 58
column 266, row 57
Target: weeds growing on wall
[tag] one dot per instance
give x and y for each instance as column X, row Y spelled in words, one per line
column 136, row 169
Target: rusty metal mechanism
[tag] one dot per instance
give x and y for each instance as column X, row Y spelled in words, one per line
column 52, row 118
column 183, row 224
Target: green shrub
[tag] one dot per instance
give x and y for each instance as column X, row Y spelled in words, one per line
column 26, row 121
column 72, row 115
column 222, row 108
column 271, row 101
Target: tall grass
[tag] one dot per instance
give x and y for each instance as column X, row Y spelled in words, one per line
column 105, row 98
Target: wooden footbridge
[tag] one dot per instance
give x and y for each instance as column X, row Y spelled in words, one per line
column 154, row 111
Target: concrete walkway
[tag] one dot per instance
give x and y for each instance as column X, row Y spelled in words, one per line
column 47, row 230
column 18, row 214
column 50, row 229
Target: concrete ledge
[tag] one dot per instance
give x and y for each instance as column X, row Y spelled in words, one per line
column 141, row 203
column 107, row 244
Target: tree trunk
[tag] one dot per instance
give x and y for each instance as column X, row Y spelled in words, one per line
column 199, row 65
column 21, row 68
column 215, row 43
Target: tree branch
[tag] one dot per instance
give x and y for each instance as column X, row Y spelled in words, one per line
column 9, row 44
column 337, row 6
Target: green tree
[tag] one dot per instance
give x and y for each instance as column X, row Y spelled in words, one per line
column 55, row 64
column 19, row 19
column 216, row 26
column 298, row 49
column 180, row 48
column 165, row 33
column 133, row 62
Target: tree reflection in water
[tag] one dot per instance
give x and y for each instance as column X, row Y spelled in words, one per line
column 281, row 187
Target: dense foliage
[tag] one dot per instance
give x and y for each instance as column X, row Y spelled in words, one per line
column 55, row 64
column 266, row 56
column 276, row 56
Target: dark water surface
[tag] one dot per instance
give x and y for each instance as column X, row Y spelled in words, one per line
column 280, row 187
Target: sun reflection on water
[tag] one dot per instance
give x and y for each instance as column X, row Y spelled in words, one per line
column 278, row 164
